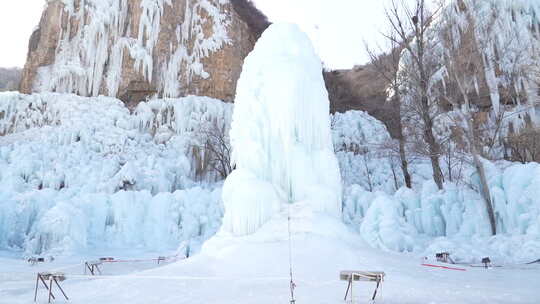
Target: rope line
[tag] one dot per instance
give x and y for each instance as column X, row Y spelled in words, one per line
column 292, row 285
column 176, row 278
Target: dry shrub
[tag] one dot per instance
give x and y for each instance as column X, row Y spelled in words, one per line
column 524, row 146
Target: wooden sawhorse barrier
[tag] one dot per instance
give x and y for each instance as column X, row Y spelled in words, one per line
column 51, row 277
column 444, row 257
column 35, row 260
column 365, row 276
column 93, row 267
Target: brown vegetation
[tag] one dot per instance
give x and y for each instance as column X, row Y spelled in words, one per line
column 524, row 146
column 251, row 15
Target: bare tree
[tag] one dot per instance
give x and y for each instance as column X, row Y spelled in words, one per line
column 411, row 27
column 465, row 38
column 387, row 66
column 463, row 69
column 462, row 56
column 213, row 149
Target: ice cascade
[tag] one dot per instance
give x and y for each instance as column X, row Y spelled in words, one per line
column 280, row 134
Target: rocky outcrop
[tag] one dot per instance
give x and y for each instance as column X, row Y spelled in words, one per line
column 133, row 49
column 362, row 88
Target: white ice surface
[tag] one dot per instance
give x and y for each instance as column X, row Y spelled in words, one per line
column 81, row 151
column 79, row 173
column 358, row 141
column 280, row 133
column 427, row 220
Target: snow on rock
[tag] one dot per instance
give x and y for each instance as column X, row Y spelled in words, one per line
column 505, row 39
column 80, row 172
column 99, row 36
column 357, row 130
column 280, row 134
column 136, row 50
column 515, row 29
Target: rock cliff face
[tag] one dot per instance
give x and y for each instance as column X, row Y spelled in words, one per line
column 133, row 49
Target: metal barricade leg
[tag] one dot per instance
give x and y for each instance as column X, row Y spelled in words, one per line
column 59, row 287
column 37, row 285
column 347, row 292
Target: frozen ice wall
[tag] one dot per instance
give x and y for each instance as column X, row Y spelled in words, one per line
column 427, row 220
column 96, row 169
column 78, row 173
column 280, row 134
column 359, row 141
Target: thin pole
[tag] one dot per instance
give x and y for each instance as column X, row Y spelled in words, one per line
column 291, row 284
column 44, row 284
column 50, row 287
column 37, row 285
column 60, row 287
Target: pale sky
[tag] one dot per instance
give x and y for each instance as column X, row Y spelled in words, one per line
column 337, row 27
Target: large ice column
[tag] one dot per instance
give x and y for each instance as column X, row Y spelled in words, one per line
column 280, row 134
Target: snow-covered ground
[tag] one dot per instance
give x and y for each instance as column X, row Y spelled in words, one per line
column 254, row 269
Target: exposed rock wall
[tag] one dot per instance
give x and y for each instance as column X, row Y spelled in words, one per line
column 362, row 88
column 133, row 49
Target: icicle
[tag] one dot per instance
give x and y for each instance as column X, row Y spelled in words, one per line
column 90, row 57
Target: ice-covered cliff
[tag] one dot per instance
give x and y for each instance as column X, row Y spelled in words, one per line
column 140, row 48
column 500, row 41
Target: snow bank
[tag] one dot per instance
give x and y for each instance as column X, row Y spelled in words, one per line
column 79, row 172
column 455, row 219
column 280, row 134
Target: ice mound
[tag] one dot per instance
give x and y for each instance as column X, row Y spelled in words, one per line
column 280, row 134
